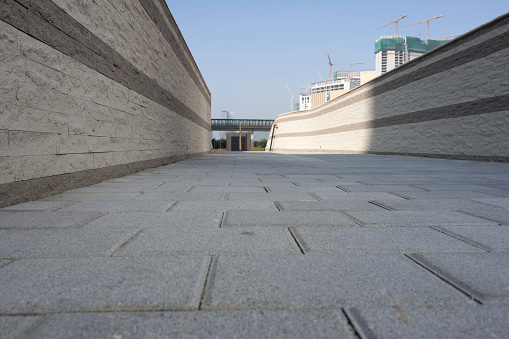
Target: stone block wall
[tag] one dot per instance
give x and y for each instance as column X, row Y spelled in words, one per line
column 93, row 89
column 451, row 103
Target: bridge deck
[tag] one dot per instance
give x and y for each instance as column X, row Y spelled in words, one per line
column 247, row 124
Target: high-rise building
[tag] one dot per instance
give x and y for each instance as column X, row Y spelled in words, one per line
column 394, row 51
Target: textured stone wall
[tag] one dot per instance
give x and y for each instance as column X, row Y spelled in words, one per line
column 450, row 103
column 92, row 89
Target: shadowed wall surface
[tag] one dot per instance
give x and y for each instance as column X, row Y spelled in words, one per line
column 450, row 103
column 92, row 90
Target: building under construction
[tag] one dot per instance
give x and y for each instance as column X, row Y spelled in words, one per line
column 394, row 51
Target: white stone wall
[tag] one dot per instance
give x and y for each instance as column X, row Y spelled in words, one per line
column 58, row 115
column 452, row 102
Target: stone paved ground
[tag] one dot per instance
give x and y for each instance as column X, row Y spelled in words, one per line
column 265, row 245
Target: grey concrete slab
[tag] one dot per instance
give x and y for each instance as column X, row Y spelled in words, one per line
column 325, row 280
column 324, row 177
column 499, row 202
column 159, row 219
column 230, row 205
column 322, row 323
column 366, row 196
column 152, row 188
column 414, row 218
column 102, row 284
column 327, row 205
column 38, row 205
column 286, row 218
column 457, row 187
column 62, row 242
column 4, row 262
column 12, row 327
column 57, row 219
column 213, row 241
column 291, row 189
column 90, row 196
column 256, row 196
column 191, row 196
column 229, row 189
column 432, row 204
column 483, row 276
column 380, row 188
column 431, row 321
column 444, row 195
column 119, row 206
column 491, row 238
column 500, row 216
column 378, row 240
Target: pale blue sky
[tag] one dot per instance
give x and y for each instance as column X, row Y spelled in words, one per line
column 249, row 51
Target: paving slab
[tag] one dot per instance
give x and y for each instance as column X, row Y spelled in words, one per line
column 483, row 276
column 188, row 196
column 286, row 218
column 322, row 323
column 158, row 219
column 295, row 189
column 378, row 240
column 4, row 262
column 306, row 280
column 380, row 188
column 295, row 196
column 500, row 202
column 467, row 186
column 213, row 241
column 415, row 218
column 38, row 205
column 500, row 216
column 62, row 242
column 433, row 204
column 491, row 238
column 57, row 219
column 17, row 326
column 431, row 321
column 366, row 196
column 90, row 196
column 444, row 195
column 119, row 206
column 102, row 284
column 230, row 205
column 327, row 205
column 259, row 188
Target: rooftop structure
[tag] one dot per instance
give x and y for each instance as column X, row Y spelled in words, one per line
column 323, row 91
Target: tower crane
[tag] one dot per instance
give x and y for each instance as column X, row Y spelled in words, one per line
column 340, row 63
column 291, row 99
column 447, row 37
column 395, row 22
column 427, row 24
column 351, row 65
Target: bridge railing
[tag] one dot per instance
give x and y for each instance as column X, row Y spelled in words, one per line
column 246, row 124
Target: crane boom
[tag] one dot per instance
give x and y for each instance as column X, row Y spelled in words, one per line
column 427, row 24
column 447, row 37
column 395, row 22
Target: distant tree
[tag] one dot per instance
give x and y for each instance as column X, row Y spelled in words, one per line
column 262, row 143
column 222, row 143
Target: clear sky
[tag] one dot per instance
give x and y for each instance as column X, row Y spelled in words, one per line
column 249, row 51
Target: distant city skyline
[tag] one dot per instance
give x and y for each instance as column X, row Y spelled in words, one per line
column 249, row 51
